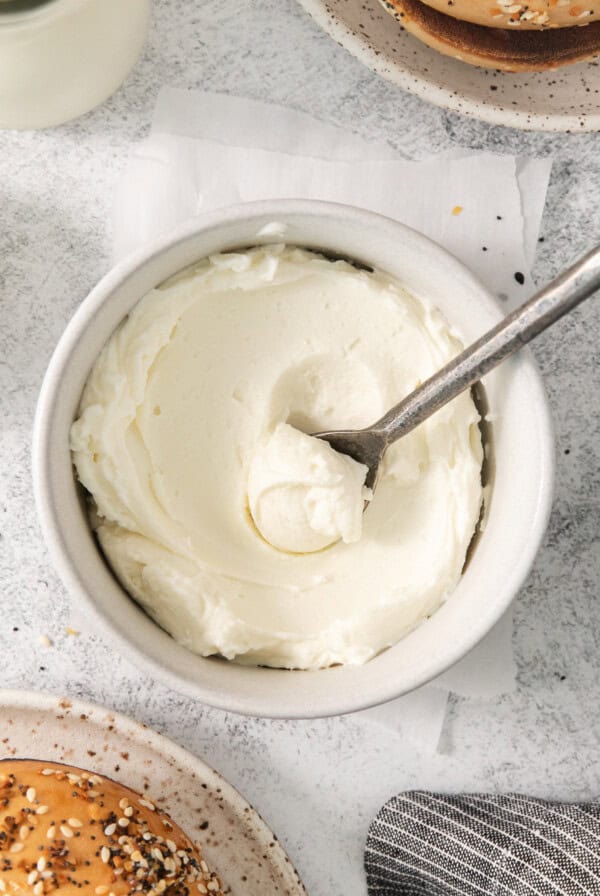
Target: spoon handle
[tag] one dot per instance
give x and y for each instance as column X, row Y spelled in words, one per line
column 517, row 329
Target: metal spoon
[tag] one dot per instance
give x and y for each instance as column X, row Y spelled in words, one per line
column 517, row 329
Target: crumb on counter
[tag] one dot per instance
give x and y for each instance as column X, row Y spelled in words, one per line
column 45, row 641
column 457, row 210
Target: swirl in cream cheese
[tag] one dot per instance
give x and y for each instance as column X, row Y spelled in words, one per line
column 193, row 390
column 303, row 495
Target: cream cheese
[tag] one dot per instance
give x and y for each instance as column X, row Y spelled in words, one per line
column 303, row 495
column 216, row 511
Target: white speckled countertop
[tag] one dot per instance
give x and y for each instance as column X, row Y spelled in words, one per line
column 317, row 783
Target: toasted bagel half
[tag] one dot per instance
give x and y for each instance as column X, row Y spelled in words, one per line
column 506, row 49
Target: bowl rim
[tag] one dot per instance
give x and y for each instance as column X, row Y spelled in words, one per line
column 56, row 536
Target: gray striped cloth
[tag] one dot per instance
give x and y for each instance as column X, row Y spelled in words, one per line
column 426, row 844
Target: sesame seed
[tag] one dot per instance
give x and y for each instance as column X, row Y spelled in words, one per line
column 204, row 866
column 16, row 847
column 171, row 846
column 2, row 887
column 41, row 864
column 30, row 795
column 41, row 810
column 51, row 832
column 128, row 812
column 123, row 822
column 23, row 832
column 74, row 779
column 101, row 890
column 75, row 823
column 32, row 877
column 48, row 771
column 148, row 805
column 66, row 831
column 110, row 829
column 38, row 888
column 105, row 854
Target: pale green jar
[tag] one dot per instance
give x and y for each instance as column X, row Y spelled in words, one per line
column 60, row 58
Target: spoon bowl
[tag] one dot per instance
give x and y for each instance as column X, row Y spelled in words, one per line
column 367, row 446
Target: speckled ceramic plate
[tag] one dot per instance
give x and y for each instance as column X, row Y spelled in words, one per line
column 235, row 840
column 564, row 100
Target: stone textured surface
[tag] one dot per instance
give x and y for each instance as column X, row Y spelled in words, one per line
column 317, row 783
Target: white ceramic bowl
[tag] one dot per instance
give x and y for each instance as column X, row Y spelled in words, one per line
column 517, row 512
